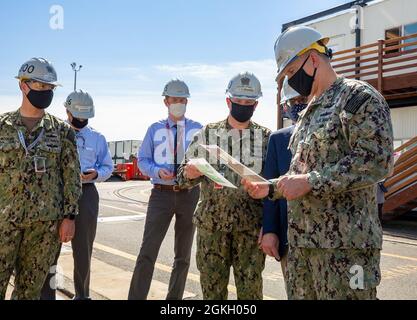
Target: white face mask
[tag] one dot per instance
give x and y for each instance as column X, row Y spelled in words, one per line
column 177, row 109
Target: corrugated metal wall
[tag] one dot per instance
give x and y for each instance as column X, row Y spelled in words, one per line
column 404, row 121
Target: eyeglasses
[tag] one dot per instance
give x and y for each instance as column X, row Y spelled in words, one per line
column 39, row 86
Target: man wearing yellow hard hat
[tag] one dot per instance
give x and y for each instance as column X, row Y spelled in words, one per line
column 342, row 146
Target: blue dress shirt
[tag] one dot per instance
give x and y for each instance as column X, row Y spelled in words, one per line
column 157, row 150
column 94, row 153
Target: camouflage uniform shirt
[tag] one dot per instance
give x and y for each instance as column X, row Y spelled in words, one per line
column 25, row 195
column 344, row 142
column 227, row 209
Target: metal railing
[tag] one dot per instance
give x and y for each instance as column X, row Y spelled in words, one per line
column 402, row 184
column 388, row 65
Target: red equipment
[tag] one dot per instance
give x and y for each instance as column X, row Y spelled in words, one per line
column 129, row 171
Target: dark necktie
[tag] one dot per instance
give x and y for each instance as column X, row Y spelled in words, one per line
column 175, row 150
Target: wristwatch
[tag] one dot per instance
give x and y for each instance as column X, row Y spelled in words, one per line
column 70, row 217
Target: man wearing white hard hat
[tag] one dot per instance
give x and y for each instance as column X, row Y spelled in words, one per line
column 228, row 221
column 342, row 146
column 96, row 166
column 39, row 183
column 162, row 151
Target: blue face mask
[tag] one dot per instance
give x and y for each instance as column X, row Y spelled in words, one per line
column 294, row 110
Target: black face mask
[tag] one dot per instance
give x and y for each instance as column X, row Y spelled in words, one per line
column 242, row 113
column 79, row 124
column 301, row 81
column 40, row 99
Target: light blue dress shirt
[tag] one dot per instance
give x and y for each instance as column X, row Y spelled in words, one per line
column 94, row 153
column 157, row 150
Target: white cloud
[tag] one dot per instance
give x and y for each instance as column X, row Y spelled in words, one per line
column 208, row 83
column 125, row 109
column 220, row 74
column 201, row 71
column 134, row 72
column 9, row 103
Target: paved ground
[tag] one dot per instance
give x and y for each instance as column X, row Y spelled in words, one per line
column 120, row 229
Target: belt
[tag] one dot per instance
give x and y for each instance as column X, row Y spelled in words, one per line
column 89, row 184
column 174, row 188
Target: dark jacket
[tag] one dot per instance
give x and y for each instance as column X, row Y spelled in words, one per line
column 277, row 163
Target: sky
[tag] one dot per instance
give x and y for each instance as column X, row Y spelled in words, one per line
column 130, row 49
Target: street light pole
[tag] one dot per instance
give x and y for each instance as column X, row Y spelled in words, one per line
column 76, row 70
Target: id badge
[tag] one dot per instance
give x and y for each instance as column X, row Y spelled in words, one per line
column 40, row 164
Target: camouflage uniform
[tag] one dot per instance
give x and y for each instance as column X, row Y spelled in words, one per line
column 32, row 204
column 228, row 221
column 344, row 142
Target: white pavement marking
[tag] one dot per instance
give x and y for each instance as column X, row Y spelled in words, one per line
column 135, row 205
column 113, row 283
column 160, row 266
column 66, row 248
column 398, row 271
column 146, row 192
column 136, row 217
column 400, row 240
column 399, row 257
column 387, row 238
column 121, row 209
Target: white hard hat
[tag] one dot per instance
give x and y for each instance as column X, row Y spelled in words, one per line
column 244, row 86
column 38, row 69
column 176, row 88
column 294, row 42
column 287, row 92
column 80, row 105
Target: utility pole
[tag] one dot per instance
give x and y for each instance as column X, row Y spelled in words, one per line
column 76, row 70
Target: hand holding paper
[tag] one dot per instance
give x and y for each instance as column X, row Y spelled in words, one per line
column 254, row 189
column 205, row 168
column 192, row 172
column 235, row 165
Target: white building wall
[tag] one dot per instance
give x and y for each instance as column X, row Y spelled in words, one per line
column 387, row 14
column 404, row 122
column 338, row 29
column 376, row 17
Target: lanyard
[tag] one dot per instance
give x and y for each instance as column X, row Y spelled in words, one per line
column 33, row 144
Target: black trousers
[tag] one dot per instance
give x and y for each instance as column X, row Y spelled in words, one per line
column 163, row 205
column 82, row 246
column 380, row 211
